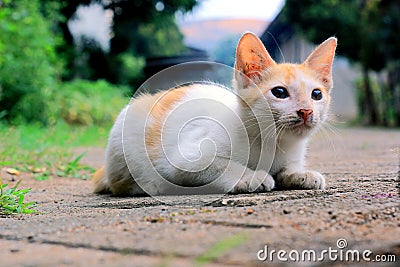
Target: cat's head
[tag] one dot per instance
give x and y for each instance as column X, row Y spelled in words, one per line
column 298, row 94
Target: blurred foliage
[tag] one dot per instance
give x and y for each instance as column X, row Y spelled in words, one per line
column 83, row 102
column 160, row 38
column 144, row 28
column 29, row 65
column 385, row 112
column 141, row 28
column 136, row 24
column 367, row 31
column 130, row 68
column 38, row 56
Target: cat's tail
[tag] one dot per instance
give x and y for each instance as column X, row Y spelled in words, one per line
column 100, row 182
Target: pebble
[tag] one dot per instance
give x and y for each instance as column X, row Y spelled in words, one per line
column 286, row 211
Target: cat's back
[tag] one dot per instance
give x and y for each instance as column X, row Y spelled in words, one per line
column 196, row 98
column 191, row 112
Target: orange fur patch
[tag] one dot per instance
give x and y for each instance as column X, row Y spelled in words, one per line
column 286, row 71
column 98, row 181
column 162, row 104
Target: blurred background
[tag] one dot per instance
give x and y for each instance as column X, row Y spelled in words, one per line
column 76, row 62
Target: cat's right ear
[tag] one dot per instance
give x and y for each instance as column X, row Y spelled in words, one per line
column 251, row 59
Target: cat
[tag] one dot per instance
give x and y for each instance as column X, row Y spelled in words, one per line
column 144, row 141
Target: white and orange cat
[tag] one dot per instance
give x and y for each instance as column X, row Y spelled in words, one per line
column 155, row 146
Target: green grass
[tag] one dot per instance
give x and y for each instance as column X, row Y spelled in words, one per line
column 12, row 200
column 43, row 153
column 33, row 136
column 49, row 151
column 220, row 248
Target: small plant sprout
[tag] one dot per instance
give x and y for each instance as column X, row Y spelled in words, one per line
column 12, row 200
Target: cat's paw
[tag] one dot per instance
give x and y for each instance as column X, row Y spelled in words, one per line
column 301, row 180
column 254, row 182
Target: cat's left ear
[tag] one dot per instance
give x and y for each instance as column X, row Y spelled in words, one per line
column 321, row 59
column 251, row 59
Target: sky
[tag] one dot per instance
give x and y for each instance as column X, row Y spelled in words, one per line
column 218, row 9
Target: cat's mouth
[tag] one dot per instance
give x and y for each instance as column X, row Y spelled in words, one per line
column 301, row 126
column 296, row 125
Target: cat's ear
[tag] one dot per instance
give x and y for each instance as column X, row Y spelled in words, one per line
column 251, row 59
column 321, row 59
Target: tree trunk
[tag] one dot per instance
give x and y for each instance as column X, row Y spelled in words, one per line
column 396, row 95
column 394, row 92
column 368, row 106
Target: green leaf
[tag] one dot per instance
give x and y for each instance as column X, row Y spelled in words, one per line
column 77, row 159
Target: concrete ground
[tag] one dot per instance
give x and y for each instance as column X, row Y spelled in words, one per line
column 358, row 211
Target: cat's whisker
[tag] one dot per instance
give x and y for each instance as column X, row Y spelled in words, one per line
column 335, row 119
column 278, row 46
column 271, row 129
column 272, row 133
column 330, row 121
column 332, row 129
column 325, row 132
column 327, row 129
column 257, row 119
column 280, row 130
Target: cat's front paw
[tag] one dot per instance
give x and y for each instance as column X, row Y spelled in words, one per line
column 301, row 180
column 254, row 182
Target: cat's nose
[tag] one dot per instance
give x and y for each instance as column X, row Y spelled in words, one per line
column 305, row 114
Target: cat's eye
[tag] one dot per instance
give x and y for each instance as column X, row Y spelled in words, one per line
column 316, row 94
column 280, row 92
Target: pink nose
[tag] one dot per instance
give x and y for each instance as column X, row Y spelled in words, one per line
column 305, row 114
